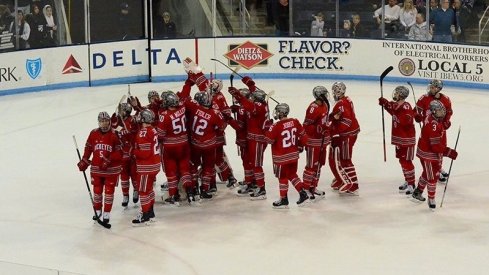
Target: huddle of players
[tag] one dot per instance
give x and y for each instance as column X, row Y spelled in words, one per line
column 433, row 112
column 186, row 134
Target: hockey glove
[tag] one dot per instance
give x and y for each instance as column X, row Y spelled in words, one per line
column 83, row 164
column 191, row 67
column 447, row 124
column 418, row 118
column 248, row 81
column 234, row 108
column 383, row 102
column 234, row 92
column 449, row 152
column 189, row 81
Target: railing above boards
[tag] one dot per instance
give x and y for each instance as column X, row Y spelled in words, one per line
column 482, row 28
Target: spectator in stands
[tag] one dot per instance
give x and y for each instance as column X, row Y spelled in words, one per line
column 420, row 31
column 407, row 15
column 392, row 13
column 433, row 5
column 281, row 17
column 462, row 19
column 443, row 22
column 357, row 29
column 165, row 28
column 5, row 18
column 124, row 22
column 317, row 26
column 51, row 27
column 21, row 31
column 421, row 6
column 37, row 22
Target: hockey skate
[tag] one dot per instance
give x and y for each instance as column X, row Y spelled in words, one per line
column 303, row 198
column 152, row 217
column 173, row 201
column 244, row 190
column 231, row 182
column 431, row 204
column 98, row 215
column 164, row 187
column 282, row 203
column 403, row 187
column 259, row 194
column 141, row 219
column 205, row 195
column 135, row 196
column 106, row 217
column 125, row 201
column 409, row 190
column 191, row 199
column 443, row 177
column 212, row 189
column 418, row 195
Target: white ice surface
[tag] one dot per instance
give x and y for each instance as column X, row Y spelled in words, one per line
column 45, row 213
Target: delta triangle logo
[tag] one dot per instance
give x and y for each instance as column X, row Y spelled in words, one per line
column 72, row 66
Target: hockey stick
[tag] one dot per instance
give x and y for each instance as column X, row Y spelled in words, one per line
column 106, row 225
column 414, row 96
column 382, row 76
column 450, row 169
column 236, row 73
column 117, row 111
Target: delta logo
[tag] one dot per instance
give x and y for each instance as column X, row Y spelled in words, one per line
column 72, row 66
column 248, row 55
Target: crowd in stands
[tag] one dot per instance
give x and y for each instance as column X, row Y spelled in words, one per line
column 448, row 20
column 33, row 25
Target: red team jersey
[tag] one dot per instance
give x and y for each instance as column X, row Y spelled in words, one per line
column 433, row 140
column 285, row 135
column 239, row 124
column 423, row 107
column 172, row 127
column 403, row 132
column 316, row 125
column 219, row 103
column 347, row 124
column 127, row 135
column 206, row 123
column 257, row 115
column 103, row 145
column 147, row 151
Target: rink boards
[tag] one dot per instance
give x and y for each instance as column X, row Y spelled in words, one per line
column 261, row 57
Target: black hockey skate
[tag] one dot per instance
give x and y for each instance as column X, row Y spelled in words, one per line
column 259, row 194
column 303, row 197
column 173, row 200
column 141, row 219
column 418, row 195
column 231, row 182
column 432, row 204
column 213, row 188
column 443, row 177
column 125, row 201
column 205, row 195
column 282, row 203
column 244, row 190
column 135, row 196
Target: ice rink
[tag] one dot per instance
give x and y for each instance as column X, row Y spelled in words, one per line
column 46, row 226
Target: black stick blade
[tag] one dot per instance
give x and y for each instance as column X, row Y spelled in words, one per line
column 386, row 72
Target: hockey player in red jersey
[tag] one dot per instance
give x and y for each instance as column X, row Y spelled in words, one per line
column 286, row 136
column 126, row 126
column 172, row 130
column 317, row 131
column 432, row 146
column 239, row 124
column 403, row 134
column 147, row 153
column 104, row 146
column 206, row 123
column 219, row 103
column 344, row 131
column 257, row 123
column 423, row 109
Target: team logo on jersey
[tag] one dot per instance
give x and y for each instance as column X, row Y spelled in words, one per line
column 248, row 55
column 33, row 67
column 407, row 67
column 72, row 66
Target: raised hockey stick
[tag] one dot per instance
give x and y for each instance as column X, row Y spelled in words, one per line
column 106, row 225
column 236, row 73
column 117, row 111
column 382, row 76
column 414, row 96
column 450, row 169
